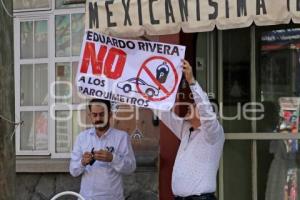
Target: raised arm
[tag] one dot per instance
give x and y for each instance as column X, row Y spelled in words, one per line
column 208, row 118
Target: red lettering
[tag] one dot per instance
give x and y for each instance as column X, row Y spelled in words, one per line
column 89, row 55
column 110, row 71
column 112, row 55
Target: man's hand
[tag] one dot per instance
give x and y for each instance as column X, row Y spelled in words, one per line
column 103, row 155
column 188, row 72
column 86, row 158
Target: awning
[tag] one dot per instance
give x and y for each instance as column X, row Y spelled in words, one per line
column 133, row 18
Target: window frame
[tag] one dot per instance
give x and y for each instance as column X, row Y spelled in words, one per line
column 51, row 61
column 17, row 71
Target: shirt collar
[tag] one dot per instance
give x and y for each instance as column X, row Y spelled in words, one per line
column 93, row 132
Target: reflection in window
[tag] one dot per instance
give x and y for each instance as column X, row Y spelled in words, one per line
column 63, row 75
column 41, row 39
column 26, row 84
column 34, row 85
column 68, row 34
column 77, row 33
column 76, row 95
column 62, row 35
column 34, row 132
column 31, row 4
column 26, row 39
column 41, row 84
column 278, row 170
column 34, row 44
column 236, row 79
column 66, row 124
column 279, row 64
column 63, row 127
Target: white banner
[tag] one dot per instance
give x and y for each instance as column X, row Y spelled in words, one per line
column 159, row 17
column 140, row 73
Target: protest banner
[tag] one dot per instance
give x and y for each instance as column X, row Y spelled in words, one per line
column 140, row 73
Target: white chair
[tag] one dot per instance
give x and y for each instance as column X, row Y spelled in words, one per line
column 67, row 193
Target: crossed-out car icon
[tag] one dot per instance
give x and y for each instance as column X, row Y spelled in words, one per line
column 130, row 85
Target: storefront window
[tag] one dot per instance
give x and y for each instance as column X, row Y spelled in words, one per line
column 236, row 80
column 237, row 170
column 278, row 79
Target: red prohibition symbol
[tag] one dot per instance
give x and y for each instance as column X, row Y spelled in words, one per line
column 145, row 67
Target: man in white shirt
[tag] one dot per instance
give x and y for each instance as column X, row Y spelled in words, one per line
column 201, row 145
column 101, row 155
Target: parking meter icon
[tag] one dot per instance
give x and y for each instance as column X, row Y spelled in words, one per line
column 162, row 72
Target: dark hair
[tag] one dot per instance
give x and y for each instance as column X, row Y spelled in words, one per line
column 100, row 101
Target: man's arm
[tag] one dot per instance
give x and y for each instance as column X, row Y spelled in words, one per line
column 124, row 160
column 208, row 118
column 76, row 166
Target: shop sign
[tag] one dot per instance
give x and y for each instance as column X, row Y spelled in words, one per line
column 158, row 17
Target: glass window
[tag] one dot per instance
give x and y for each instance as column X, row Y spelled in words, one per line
column 34, row 132
column 26, row 89
column 236, row 79
column 77, row 33
column 278, row 169
column 62, row 35
column 66, row 90
column 68, row 126
column 237, row 170
column 59, row 4
column 26, row 39
column 77, row 97
column 34, row 39
column 278, row 69
column 41, row 39
column 63, row 75
column 202, row 59
column 69, row 34
column 31, row 4
column 34, row 85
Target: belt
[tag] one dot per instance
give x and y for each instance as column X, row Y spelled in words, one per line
column 206, row 196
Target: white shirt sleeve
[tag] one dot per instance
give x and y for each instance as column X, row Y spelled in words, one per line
column 124, row 160
column 209, row 122
column 172, row 121
column 76, row 168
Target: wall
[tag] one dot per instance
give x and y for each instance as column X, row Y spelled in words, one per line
column 143, row 184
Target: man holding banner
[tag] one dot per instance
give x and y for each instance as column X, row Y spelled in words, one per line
column 109, row 69
column 202, row 139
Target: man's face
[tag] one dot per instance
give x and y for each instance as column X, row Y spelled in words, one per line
column 192, row 115
column 100, row 116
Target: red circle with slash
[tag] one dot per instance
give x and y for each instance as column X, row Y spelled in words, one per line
column 152, row 77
